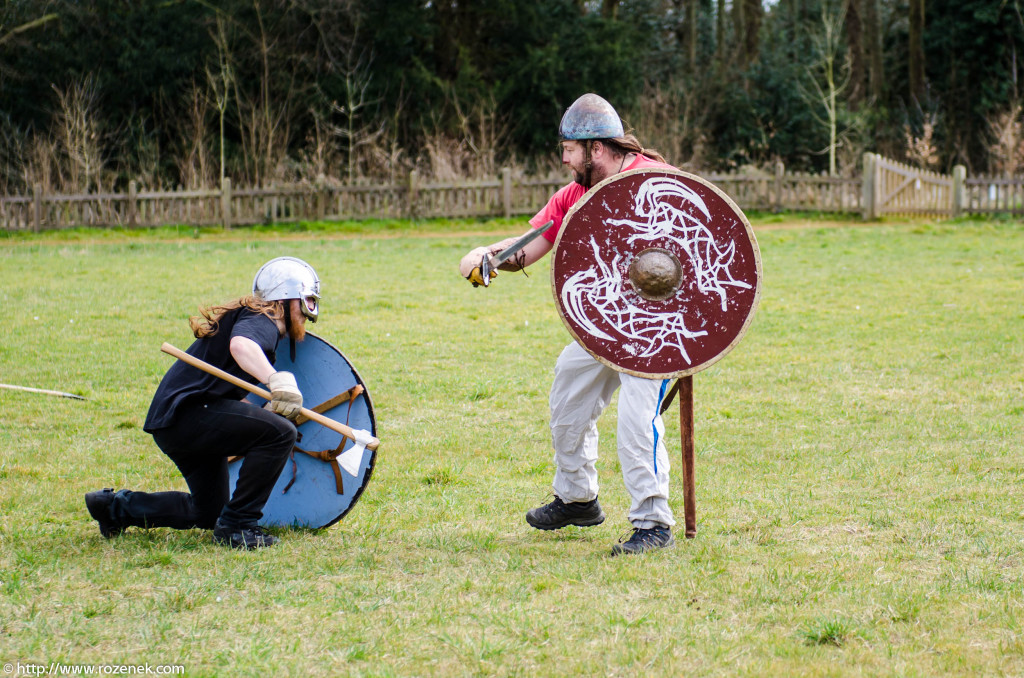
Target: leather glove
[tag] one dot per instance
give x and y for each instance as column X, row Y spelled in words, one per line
column 285, row 397
column 469, row 266
column 477, row 278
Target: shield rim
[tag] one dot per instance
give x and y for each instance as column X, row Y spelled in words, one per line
column 589, row 195
column 371, row 465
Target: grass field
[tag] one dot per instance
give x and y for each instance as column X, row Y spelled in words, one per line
column 859, row 468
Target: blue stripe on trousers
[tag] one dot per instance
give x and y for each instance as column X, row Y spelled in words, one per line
column 654, row 424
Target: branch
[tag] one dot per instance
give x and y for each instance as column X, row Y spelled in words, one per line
column 27, row 26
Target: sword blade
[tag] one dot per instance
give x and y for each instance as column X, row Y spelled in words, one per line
column 504, row 255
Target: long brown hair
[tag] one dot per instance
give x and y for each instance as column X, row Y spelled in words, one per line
column 208, row 322
column 628, row 143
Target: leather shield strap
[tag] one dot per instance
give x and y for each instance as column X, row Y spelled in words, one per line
column 329, row 456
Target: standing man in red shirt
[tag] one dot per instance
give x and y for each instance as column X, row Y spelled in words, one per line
column 595, row 147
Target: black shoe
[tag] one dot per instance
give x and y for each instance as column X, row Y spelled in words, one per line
column 99, row 503
column 242, row 537
column 641, row 540
column 558, row 514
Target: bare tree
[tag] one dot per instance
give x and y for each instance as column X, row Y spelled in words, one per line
column 220, row 81
column 920, row 148
column 40, row 166
column 827, row 79
column 266, row 103
column 195, row 167
column 473, row 151
column 135, row 151
column 1007, row 147
column 349, row 117
column 356, row 134
column 78, row 135
column 18, row 155
column 666, row 118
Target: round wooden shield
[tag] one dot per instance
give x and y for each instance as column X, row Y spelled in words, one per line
column 656, row 273
column 317, row 492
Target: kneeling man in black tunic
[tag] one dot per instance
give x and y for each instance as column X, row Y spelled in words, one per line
column 199, row 420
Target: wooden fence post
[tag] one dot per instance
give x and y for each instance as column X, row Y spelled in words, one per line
column 959, row 189
column 225, row 201
column 506, row 191
column 868, row 187
column 780, row 171
column 413, row 191
column 133, row 195
column 37, row 207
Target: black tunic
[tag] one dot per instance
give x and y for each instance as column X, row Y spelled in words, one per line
column 183, row 383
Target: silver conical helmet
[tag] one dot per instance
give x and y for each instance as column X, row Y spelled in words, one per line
column 590, row 117
column 289, row 278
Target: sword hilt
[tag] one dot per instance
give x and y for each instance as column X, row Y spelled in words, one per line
column 485, row 268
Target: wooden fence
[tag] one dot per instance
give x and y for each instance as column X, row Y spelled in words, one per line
column 886, row 187
column 231, row 206
column 895, row 188
column 993, row 195
column 794, row 191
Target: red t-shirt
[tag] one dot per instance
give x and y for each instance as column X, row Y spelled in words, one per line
column 565, row 197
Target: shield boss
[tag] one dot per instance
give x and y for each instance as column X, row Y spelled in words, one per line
column 656, row 274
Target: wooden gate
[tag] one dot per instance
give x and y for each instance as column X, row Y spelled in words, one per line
column 892, row 187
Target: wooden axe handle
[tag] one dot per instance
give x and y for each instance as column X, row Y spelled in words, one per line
column 241, row 383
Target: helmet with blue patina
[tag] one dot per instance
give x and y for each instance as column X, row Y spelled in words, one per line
column 590, row 117
column 289, row 278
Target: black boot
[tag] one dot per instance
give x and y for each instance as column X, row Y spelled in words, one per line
column 99, row 504
column 558, row 514
column 242, row 537
column 641, row 541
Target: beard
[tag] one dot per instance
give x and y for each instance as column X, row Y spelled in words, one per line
column 580, row 176
column 296, row 329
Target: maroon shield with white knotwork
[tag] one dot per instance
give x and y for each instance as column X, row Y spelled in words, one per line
column 656, row 273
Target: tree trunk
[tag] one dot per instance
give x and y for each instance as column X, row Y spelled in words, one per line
column 721, row 40
column 855, row 43
column 873, row 50
column 739, row 29
column 686, row 31
column 610, row 9
column 915, row 56
column 747, row 15
column 753, row 16
column 691, row 33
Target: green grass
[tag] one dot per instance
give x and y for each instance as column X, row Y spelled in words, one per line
column 859, row 468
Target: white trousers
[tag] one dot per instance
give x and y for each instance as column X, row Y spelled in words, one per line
column 582, row 389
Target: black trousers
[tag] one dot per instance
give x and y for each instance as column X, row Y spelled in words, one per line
column 199, row 443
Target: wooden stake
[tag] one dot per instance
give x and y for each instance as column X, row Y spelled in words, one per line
column 62, row 394
column 686, row 436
